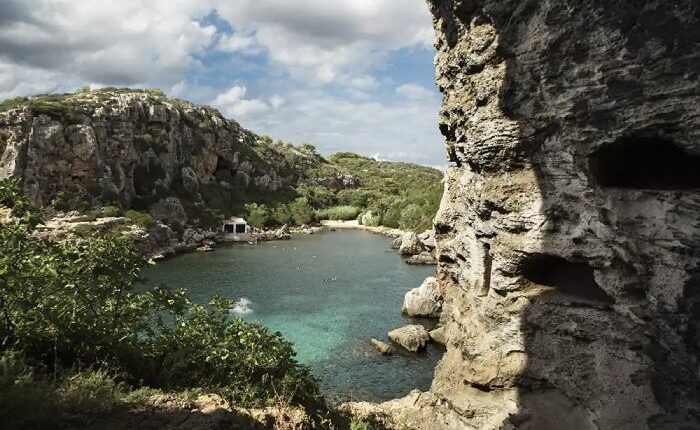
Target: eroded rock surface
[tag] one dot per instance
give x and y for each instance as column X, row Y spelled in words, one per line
column 568, row 235
column 138, row 150
column 423, row 301
column 412, row 337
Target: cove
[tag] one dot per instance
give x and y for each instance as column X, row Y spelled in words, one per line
column 328, row 293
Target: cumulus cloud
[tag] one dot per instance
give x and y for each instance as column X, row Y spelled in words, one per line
column 110, row 41
column 233, row 103
column 415, row 92
column 331, row 41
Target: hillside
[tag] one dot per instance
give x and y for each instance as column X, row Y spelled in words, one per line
column 186, row 164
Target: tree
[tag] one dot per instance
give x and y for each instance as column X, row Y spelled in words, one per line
column 301, row 211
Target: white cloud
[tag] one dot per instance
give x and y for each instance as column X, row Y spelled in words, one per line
column 277, row 101
column 403, row 129
column 233, row 103
column 415, row 92
column 105, row 42
column 236, row 42
column 331, row 41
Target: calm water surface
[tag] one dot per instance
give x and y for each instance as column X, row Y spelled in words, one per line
column 328, row 293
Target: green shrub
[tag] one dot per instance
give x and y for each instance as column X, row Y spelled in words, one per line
column 25, row 398
column 339, row 213
column 110, row 212
column 142, row 219
column 93, row 392
column 301, row 211
column 73, row 304
column 257, row 215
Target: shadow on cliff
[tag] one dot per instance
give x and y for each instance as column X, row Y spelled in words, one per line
column 604, row 99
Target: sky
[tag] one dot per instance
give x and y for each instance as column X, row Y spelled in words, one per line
column 344, row 75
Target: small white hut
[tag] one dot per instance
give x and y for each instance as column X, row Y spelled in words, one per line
column 236, row 226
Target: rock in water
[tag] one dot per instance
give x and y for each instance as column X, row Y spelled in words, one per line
column 410, row 245
column 424, row 258
column 424, row 301
column 380, row 346
column 412, row 337
column 439, row 335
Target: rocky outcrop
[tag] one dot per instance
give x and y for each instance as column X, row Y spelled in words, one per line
column 568, row 236
column 411, row 337
column 423, row 301
column 423, row 258
column 410, row 244
column 179, row 161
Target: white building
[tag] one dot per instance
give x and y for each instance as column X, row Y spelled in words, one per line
column 236, row 226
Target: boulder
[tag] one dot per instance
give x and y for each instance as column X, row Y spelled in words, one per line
column 439, row 335
column 380, row 346
column 412, row 337
column 427, row 239
column 424, row 257
column 410, row 244
column 424, row 301
column 396, row 243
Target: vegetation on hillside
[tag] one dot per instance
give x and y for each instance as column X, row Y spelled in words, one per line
column 343, row 186
column 75, row 333
column 399, row 195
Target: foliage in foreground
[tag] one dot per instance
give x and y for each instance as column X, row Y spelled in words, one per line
column 73, row 306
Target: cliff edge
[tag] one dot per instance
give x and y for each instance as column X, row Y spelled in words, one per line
column 568, row 235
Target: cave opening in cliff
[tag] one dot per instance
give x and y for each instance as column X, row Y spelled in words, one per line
column 646, row 163
column 574, row 279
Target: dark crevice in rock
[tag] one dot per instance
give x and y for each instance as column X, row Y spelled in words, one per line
column 647, row 163
column 488, row 263
column 575, row 279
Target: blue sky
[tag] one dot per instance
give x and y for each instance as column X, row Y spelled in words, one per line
column 353, row 75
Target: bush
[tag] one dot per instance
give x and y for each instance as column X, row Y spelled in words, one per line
column 73, row 303
column 338, row 213
column 92, row 392
column 257, row 215
column 140, row 218
column 110, row 212
column 301, row 211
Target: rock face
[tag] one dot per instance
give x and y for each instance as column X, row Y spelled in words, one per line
column 412, row 337
column 424, row 301
column 138, row 150
column 568, row 236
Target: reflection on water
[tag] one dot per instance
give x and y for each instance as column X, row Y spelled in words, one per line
column 329, row 294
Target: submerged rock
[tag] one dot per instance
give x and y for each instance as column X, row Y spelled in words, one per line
column 380, row 346
column 424, row 301
column 412, row 337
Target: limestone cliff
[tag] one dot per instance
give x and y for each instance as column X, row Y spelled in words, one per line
column 569, row 232
column 140, row 150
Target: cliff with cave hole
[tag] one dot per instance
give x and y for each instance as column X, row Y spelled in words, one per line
column 569, row 231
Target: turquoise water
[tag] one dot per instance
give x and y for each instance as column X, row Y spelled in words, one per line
column 328, row 293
